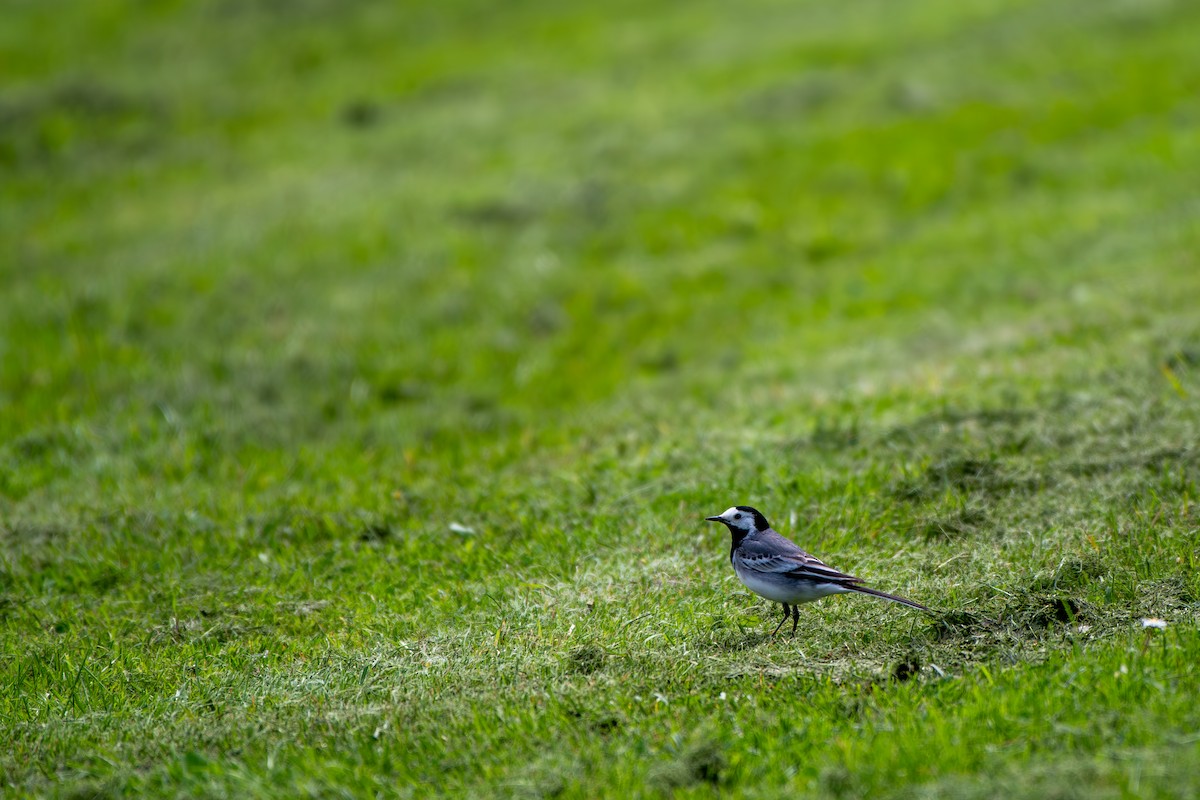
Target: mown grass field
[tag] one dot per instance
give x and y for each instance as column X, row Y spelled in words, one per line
column 367, row 371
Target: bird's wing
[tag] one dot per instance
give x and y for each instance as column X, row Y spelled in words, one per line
column 765, row 557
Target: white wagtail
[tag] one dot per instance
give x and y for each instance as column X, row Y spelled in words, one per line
column 775, row 568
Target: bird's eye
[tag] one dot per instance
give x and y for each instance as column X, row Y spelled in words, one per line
column 737, row 516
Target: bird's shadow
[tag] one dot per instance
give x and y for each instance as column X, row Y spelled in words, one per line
column 738, row 637
column 732, row 637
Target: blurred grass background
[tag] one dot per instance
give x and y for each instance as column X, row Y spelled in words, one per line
column 290, row 287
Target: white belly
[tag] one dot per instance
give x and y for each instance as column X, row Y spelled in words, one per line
column 782, row 590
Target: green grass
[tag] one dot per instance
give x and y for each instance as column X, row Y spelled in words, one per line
column 291, row 288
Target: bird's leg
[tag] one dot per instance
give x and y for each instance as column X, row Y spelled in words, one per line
column 786, row 612
column 795, row 619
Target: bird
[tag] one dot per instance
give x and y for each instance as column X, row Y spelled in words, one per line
column 774, row 567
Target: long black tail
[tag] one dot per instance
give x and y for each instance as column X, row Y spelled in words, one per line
column 894, row 598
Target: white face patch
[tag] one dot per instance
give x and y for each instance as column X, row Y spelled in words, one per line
column 739, row 519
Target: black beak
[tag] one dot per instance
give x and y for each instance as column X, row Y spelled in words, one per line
column 713, row 519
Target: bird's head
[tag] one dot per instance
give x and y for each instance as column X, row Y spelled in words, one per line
column 742, row 519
